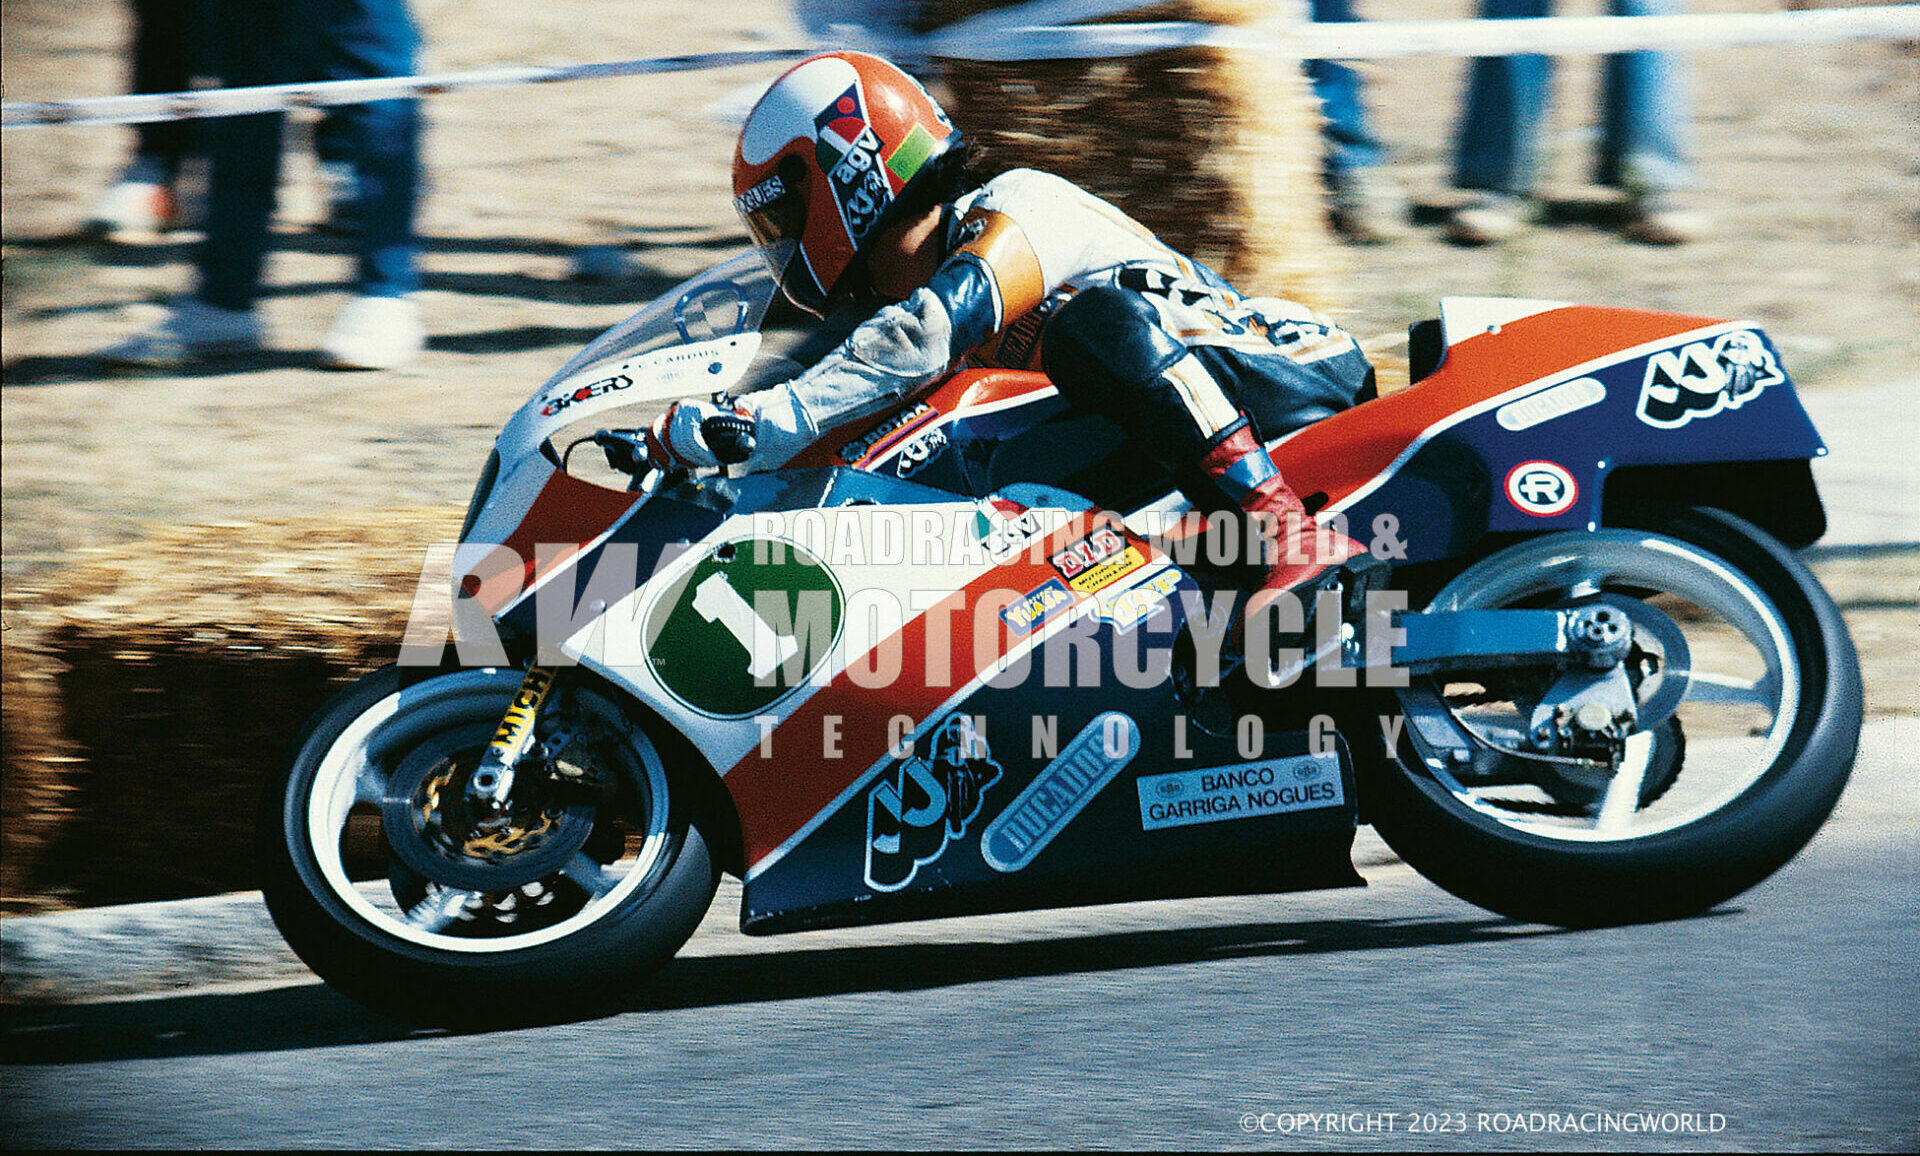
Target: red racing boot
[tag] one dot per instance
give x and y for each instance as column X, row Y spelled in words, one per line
column 1303, row 555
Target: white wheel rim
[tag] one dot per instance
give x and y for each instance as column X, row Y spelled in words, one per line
column 1616, row 558
column 348, row 774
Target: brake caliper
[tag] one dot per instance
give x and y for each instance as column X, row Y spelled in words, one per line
column 1588, row 712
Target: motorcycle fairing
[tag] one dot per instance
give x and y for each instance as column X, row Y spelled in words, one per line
column 1437, row 457
column 537, row 516
column 921, row 831
column 896, row 846
column 624, row 606
column 1561, row 387
column 788, row 784
column 801, row 762
column 618, row 595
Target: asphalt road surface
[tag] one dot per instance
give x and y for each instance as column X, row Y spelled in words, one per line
column 1786, row 1020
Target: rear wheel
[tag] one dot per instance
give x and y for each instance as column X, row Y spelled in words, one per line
column 1744, row 697
column 386, row 886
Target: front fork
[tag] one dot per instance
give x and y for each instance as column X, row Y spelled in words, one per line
column 491, row 783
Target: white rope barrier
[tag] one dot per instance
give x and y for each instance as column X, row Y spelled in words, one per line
column 145, row 107
column 994, row 37
column 1381, row 39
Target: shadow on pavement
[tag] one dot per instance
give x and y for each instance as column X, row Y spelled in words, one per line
column 637, row 281
column 311, row 1015
column 66, row 368
column 752, row 978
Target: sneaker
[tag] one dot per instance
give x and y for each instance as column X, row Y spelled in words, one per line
column 1487, row 219
column 139, row 207
column 1361, row 210
column 1663, row 219
column 375, row 333
column 193, row 331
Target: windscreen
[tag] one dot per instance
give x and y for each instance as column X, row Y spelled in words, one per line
column 729, row 298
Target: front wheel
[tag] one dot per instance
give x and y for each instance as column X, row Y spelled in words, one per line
column 1741, row 701
column 392, row 894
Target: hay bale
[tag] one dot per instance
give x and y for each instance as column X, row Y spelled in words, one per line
column 1218, row 152
column 149, row 688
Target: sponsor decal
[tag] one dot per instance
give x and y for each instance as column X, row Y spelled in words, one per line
column 1091, row 550
column 1126, row 609
column 923, row 448
column 858, row 448
column 1015, row 346
column 1557, row 401
column 526, row 704
column 1037, row 607
column 1098, row 560
column 1699, row 380
column 1216, row 794
column 1105, row 574
column 744, row 627
column 1543, row 489
column 913, row 152
column 849, row 153
column 1060, row 791
column 592, row 389
column 922, row 803
column 760, row 195
column 1008, row 528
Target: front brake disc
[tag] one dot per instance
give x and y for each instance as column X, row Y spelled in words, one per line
column 433, row 829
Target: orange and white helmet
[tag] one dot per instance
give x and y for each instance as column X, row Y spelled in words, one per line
column 832, row 154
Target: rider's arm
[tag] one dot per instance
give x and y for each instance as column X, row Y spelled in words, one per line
column 1020, row 237
column 992, row 277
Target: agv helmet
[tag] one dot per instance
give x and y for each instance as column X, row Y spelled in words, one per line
column 841, row 146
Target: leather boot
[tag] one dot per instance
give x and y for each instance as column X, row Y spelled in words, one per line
column 1300, row 551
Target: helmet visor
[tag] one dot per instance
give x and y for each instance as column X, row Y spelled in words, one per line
column 776, row 217
column 788, row 261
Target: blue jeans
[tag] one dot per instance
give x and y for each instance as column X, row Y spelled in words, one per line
column 1346, row 136
column 164, row 32
column 289, row 41
column 1645, row 112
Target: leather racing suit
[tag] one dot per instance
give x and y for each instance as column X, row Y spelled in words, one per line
column 1042, row 274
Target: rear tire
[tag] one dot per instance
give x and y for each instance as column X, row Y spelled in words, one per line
column 459, row 952
column 1736, row 777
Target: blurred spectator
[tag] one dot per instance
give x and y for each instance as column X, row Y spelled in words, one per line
column 142, row 203
column 166, row 57
column 1645, row 114
column 286, row 41
column 1359, row 209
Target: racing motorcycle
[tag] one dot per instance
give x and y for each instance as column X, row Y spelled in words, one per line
column 966, row 656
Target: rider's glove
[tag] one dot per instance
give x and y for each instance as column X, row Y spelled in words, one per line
column 700, row 435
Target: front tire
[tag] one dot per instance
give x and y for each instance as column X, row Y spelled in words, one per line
column 1750, row 700
column 595, row 892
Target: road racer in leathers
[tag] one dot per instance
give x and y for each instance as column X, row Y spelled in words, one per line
column 853, row 184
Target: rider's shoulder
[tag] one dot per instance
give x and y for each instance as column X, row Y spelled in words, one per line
column 1016, row 186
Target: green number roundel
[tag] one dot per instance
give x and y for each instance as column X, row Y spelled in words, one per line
column 744, row 627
